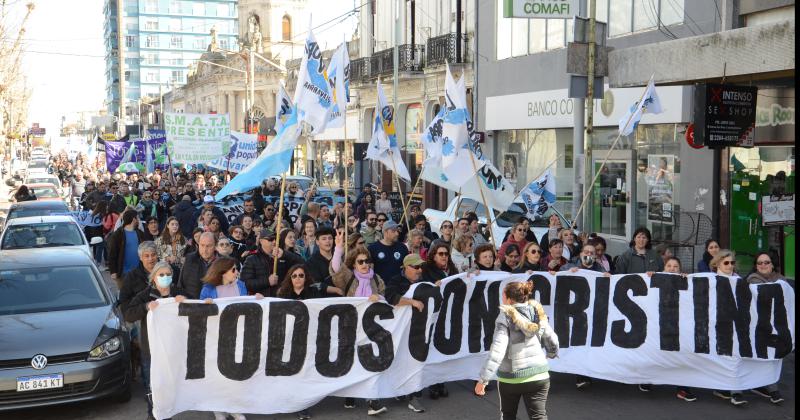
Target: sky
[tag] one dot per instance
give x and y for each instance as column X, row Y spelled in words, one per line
column 64, row 61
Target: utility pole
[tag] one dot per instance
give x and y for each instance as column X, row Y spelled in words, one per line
column 588, row 170
column 395, row 71
column 121, row 65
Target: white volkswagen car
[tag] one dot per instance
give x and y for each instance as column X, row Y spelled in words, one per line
column 44, row 232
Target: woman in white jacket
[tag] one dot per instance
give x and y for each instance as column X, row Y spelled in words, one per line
column 461, row 253
column 523, row 341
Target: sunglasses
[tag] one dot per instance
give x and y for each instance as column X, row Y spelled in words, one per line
column 442, row 254
column 729, row 263
column 535, row 251
column 447, row 227
column 371, row 220
column 363, row 261
column 298, row 276
column 269, row 209
column 764, row 263
column 381, row 220
column 224, row 244
column 361, row 242
column 416, row 267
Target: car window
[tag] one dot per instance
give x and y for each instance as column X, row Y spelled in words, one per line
column 42, row 235
column 45, row 192
column 49, row 289
column 469, row 205
column 41, row 181
column 37, row 164
column 15, row 213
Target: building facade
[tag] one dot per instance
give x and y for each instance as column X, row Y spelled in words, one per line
column 531, row 121
column 150, row 43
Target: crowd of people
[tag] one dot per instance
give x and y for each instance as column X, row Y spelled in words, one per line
column 164, row 235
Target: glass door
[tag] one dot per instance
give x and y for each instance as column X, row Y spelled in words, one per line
column 755, row 173
column 612, row 201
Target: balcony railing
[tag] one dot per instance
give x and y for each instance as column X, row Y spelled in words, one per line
column 359, row 69
column 445, row 48
column 410, row 59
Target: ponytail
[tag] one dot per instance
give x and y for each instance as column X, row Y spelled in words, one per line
column 518, row 291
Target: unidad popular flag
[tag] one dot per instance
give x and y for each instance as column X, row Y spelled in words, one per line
column 649, row 104
column 383, row 145
column 274, row 160
column 539, row 195
column 243, row 151
column 338, row 75
column 312, row 97
column 285, row 107
column 458, row 161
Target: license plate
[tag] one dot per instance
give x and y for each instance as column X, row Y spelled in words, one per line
column 33, row 383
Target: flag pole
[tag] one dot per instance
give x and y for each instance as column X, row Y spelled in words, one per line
column 483, row 198
column 408, row 204
column 399, row 188
column 346, row 177
column 605, row 159
column 278, row 223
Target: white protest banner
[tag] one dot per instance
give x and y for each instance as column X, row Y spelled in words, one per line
column 197, row 138
column 702, row 331
column 242, row 152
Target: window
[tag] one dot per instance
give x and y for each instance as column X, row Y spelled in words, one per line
column 151, row 77
column 537, row 35
column 620, row 17
column 175, row 25
column 223, row 43
column 176, row 41
column 519, row 40
column 286, row 25
column 177, row 76
column 151, row 41
column 199, row 43
column 555, row 33
column 176, row 61
column 127, row 75
column 130, row 41
column 151, row 6
column 672, row 12
column 175, row 6
column 151, row 59
column 223, row 10
column 31, row 290
column 151, row 25
column 198, row 9
column 645, row 15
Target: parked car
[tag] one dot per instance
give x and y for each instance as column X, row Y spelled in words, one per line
column 38, row 166
column 63, row 338
column 43, row 232
column 501, row 222
column 36, row 208
column 44, row 192
column 40, row 178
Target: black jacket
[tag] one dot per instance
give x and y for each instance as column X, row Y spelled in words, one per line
column 137, row 311
column 528, row 266
column 397, row 287
column 117, row 204
column 134, row 282
column 192, row 273
column 432, row 274
column 116, row 249
column 318, row 267
column 184, row 212
column 258, row 267
column 223, row 220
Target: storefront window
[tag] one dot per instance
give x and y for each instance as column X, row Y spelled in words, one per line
column 415, row 126
column 333, row 162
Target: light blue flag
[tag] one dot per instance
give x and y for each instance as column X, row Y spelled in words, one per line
column 648, row 104
column 539, row 195
column 274, row 160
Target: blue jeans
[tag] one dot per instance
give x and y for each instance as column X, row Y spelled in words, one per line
column 146, row 372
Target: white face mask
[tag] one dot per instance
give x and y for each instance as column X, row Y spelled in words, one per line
column 587, row 259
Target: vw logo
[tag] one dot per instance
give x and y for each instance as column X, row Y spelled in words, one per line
column 39, row 362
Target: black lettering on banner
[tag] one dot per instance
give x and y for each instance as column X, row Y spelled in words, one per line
column 732, row 311
column 770, row 306
column 636, row 315
column 380, row 336
column 541, row 289
column 418, row 346
column 563, row 310
column 602, row 286
column 669, row 287
column 198, row 314
column 251, row 343
column 483, row 313
column 276, row 338
column 701, row 302
column 451, row 345
column 348, row 322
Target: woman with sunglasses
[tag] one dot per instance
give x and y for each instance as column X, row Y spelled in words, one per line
column 764, row 272
column 159, row 287
column 359, row 280
column 437, row 266
column 446, row 235
column 724, row 264
column 461, row 253
column 517, row 238
column 531, row 258
column 239, row 247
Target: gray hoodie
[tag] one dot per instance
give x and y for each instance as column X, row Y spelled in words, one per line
column 517, row 350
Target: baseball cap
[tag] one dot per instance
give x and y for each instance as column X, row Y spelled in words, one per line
column 266, row 234
column 208, row 199
column 390, row 224
column 412, row 259
column 186, row 198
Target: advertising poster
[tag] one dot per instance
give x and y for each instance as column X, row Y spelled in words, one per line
column 660, row 176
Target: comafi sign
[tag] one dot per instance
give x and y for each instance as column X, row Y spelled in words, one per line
column 553, row 9
column 725, row 115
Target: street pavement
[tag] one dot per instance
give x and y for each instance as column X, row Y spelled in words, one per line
column 602, row 400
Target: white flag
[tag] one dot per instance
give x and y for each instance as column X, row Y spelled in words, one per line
column 284, row 104
column 497, row 190
column 383, row 145
column 458, row 161
column 539, row 195
column 338, row 75
column 312, row 97
column 649, row 103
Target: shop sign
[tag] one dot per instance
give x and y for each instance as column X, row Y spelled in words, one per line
column 690, row 137
column 725, row 115
column 660, row 176
column 777, row 210
column 775, row 115
column 548, row 9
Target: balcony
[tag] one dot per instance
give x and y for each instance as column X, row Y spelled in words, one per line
column 409, row 57
column 359, row 70
column 445, row 49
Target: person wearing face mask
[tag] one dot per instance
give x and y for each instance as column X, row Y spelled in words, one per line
column 586, row 261
column 159, row 286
